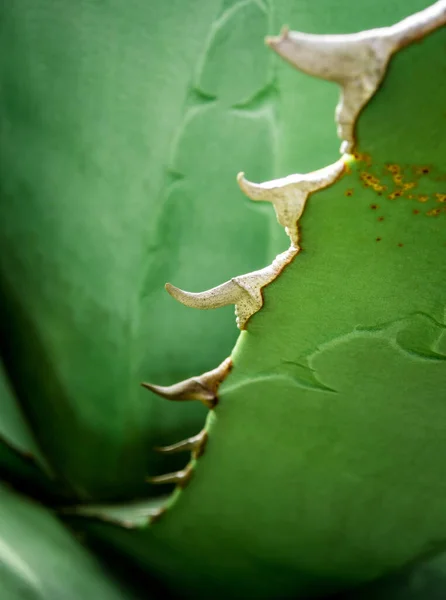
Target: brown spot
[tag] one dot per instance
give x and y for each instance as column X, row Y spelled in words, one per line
column 400, row 245
column 374, row 206
column 380, row 218
column 416, row 211
column 392, row 168
column 422, row 169
column 440, row 197
column 378, row 239
column 434, row 212
column 363, row 157
column 349, row 192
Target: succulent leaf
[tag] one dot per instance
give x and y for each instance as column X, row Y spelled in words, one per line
column 320, row 464
column 40, row 560
column 344, row 478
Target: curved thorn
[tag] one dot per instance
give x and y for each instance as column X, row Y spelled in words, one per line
column 357, row 62
column 194, row 444
column 245, row 291
column 178, row 477
column 190, row 389
column 254, row 283
column 203, row 388
column 222, row 295
column 289, row 194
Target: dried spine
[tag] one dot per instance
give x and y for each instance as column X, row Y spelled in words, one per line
column 203, row 387
column 290, row 194
column 245, row 291
column 180, row 478
column 357, row 62
column 194, row 444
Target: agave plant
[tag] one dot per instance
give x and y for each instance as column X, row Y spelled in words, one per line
column 313, row 460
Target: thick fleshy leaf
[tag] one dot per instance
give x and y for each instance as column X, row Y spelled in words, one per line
column 349, row 485
column 41, row 560
column 324, row 465
column 124, row 126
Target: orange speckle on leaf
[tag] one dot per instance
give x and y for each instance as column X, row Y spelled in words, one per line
column 393, row 168
column 363, row 157
column 422, row 169
column 434, row 212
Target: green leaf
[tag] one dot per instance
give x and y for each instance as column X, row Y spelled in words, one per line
column 324, row 465
column 303, row 490
column 40, row 560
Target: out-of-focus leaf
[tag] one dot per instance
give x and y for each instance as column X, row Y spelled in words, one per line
column 426, row 581
column 40, row 560
column 20, row 459
column 14, row 429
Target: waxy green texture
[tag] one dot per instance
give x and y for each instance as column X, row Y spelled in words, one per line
column 320, row 464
